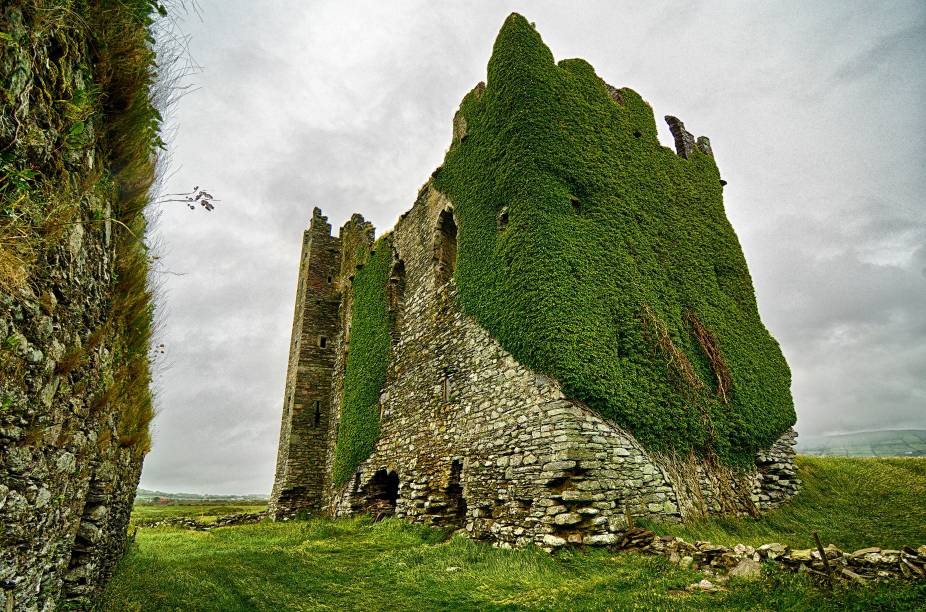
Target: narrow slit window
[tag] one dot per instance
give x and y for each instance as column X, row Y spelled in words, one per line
column 396, row 298
column 445, row 387
column 502, row 218
column 322, row 341
column 318, row 413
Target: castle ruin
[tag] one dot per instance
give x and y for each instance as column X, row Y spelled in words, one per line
column 404, row 395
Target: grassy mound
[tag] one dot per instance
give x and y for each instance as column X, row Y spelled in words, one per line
column 353, row 564
column 852, row 503
column 598, row 256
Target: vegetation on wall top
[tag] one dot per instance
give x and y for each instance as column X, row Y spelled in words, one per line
column 615, row 269
column 79, row 133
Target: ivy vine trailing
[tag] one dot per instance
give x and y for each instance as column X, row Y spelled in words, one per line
column 617, row 271
column 369, row 351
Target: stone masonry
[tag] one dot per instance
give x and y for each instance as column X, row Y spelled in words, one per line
column 67, row 484
column 68, row 474
column 470, row 437
column 307, row 408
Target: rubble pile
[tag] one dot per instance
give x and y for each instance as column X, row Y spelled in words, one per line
column 719, row 561
column 223, row 521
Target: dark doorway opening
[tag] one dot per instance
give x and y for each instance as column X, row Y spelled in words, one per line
column 380, row 496
column 456, row 503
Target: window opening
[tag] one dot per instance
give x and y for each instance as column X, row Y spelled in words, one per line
column 396, row 296
column 445, row 387
column 503, row 218
column 456, row 501
column 446, row 248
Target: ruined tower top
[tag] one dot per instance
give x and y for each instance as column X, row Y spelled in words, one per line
column 319, row 222
column 604, row 259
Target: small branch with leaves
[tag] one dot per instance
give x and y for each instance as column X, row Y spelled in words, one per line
column 195, row 197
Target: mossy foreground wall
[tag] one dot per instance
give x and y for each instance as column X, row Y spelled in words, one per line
column 77, row 139
column 600, row 257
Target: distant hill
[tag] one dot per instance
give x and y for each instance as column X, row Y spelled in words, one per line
column 145, row 494
column 885, row 443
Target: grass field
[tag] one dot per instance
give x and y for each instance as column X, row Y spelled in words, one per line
column 202, row 512
column 890, row 443
column 355, row 564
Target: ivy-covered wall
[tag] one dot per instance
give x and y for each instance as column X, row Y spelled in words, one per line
column 600, row 257
column 369, row 347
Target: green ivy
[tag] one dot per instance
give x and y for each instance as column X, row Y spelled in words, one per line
column 608, row 231
column 368, row 357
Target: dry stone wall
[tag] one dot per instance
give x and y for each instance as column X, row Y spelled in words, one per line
column 474, row 439
column 720, row 562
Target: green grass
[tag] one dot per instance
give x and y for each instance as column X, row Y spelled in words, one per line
column 358, row 565
column 887, row 443
column 852, row 503
column 353, row 564
column 204, row 512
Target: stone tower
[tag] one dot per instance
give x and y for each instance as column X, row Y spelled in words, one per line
column 308, row 398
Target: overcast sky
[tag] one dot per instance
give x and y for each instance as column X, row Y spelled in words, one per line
column 815, row 114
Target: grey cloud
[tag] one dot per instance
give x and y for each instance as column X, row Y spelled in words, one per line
column 882, row 51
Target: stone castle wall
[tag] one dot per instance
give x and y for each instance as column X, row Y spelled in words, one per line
column 69, row 462
column 472, row 438
column 66, row 483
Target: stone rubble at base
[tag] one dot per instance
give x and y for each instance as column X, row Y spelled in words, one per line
column 721, row 563
column 228, row 520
